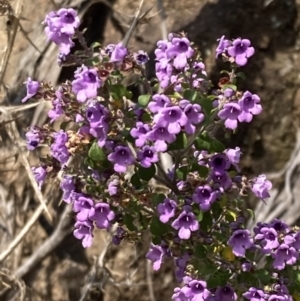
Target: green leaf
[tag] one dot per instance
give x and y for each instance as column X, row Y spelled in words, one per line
column 128, row 221
column 135, row 181
column 143, row 100
column 202, row 143
column 159, row 198
column 220, row 278
column 191, row 95
column 118, row 91
column 95, row 45
column 228, row 86
column 212, row 145
column 182, row 172
column 146, row 174
column 200, row 216
column 252, row 214
column 200, row 251
column 206, row 104
column 206, row 222
column 157, row 228
column 241, row 75
column 230, row 216
column 96, row 153
column 202, row 170
column 179, row 144
column 216, row 146
column 263, row 276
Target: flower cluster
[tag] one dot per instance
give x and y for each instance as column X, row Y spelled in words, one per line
column 60, row 28
column 111, row 164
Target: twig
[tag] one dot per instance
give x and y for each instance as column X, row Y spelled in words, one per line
column 133, row 25
column 149, row 280
column 22, row 233
column 62, row 230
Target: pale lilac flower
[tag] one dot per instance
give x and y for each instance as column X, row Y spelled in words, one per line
column 284, row 255
column 205, row 197
column 254, row 294
column 230, row 113
column 102, row 215
column 118, row 54
column 32, row 88
column 223, row 45
column 33, row 138
column 86, row 83
column 241, row 51
column 67, row 185
column 156, row 255
column 83, row 206
column 260, row 186
column 140, row 133
column 233, row 156
column 250, row 106
column 121, row 157
column 196, row 290
column 39, row 174
column 240, row 241
column 268, row 238
column 166, row 210
column 84, row 231
column 147, row 156
column 186, row 223
column 158, row 102
column 161, row 136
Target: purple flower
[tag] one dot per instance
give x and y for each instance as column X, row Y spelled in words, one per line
column 279, row 225
column 102, row 214
column 96, row 115
column 186, row 223
column 160, row 136
column 156, row 255
column 219, row 162
column 58, row 148
column 180, row 50
column 139, row 133
column 163, row 73
column 147, row 156
column 84, row 231
column 166, row 210
column 33, row 138
column 113, row 187
column 296, row 244
column 121, row 157
column 240, row 241
column 181, row 264
column 230, row 114
column 250, row 106
column 223, row 45
column 67, row 185
column 39, row 174
column 261, row 186
column 173, row 118
column 241, row 51
column 158, row 102
column 83, row 206
column 233, row 156
column 66, row 21
column 141, row 57
column 254, row 294
column 225, row 294
column 204, row 196
column 221, row 178
column 160, row 51
column 32, row 88
column 109, row 49
column 194, row 115
column 285, row 254
column 179, row 295
column 269, row 239
column 196, row 290
column 57, row 110
column 86, row 83
column 118, row 54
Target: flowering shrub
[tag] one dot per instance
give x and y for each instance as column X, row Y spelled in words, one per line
column 198, row 219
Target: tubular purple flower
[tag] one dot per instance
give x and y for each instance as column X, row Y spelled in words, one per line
column 33, row 138
column 39, row 174
column 223, row 45
column 260, row 186
column 268, row 238
column 230, row 113
column 196, row 290
column 254, row 294
column 156, row 255
column 86, row 83
column 241, row 51
column 141, row 57
column 166, row 210
column 158, row 102
column 173, row 118
column 121, row 157
column 119, row 53
column 284, row 255
column 83, row 206
column 240, row 241
column 186, row 223
column 250, row 106
column 84, row 232
column 32, row 88
column 147, row 156
column 139, row 133
column 67, row 185
column 160, row 136
column 102, row 215
column 205, row 197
